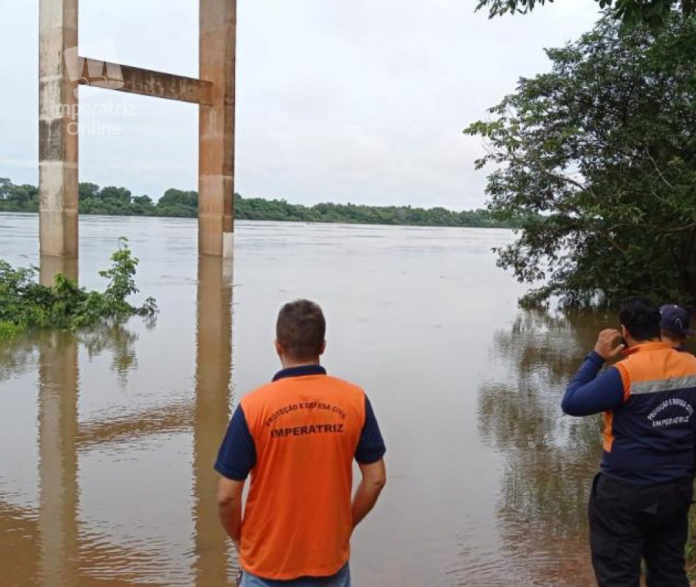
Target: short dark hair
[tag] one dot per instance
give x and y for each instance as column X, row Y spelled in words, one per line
column 641, row 318
column 301, row 329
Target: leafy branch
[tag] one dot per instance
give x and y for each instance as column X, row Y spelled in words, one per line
column 26, row 304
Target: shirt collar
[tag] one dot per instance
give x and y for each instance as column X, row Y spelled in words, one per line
column 300, row 371
column 647, row 346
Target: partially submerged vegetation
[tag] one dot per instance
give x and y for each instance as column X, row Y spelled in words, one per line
column 25, row 304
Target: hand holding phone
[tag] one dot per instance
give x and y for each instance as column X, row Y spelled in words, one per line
column 606, row 346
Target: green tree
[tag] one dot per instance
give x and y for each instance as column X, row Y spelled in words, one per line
column 88, row 191
column 178, row 203
column 115, row 200
column 653, row 13
column 18, row 198
column 599, row 155
column 143, row 206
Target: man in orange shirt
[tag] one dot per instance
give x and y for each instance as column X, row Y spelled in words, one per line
column 640, row 500
column 297, row 436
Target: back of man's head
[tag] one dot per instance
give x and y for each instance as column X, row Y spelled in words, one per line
column 641, row 318
column 300, row 330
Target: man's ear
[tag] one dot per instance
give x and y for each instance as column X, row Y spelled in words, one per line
column 625, row 334
column 322, row 349
column 278, row 348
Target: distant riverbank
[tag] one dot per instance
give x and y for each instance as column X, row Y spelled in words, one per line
column 119, row 201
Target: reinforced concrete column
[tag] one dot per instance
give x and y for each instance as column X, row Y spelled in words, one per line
column 218, row 36
column 50, row 267
column 58, row 131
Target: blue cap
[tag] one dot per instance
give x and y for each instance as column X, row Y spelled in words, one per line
column 676, row 319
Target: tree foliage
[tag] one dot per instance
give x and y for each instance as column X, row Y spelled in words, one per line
column 652, row 13
column 260, row 209
column 26, row 304
column 114, row 201
column 18, row 198
column 599, row 156
column 178, row 203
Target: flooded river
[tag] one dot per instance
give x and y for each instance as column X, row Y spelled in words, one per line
column 109, row 436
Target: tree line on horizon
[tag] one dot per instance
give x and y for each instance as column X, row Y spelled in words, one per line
column 119, row 201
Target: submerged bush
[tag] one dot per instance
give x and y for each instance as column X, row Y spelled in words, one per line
column 26, row 304
column 8, row 330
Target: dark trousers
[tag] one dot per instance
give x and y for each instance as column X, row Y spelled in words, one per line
column 629, row 523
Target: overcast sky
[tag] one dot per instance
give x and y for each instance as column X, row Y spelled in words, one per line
column 337, row 100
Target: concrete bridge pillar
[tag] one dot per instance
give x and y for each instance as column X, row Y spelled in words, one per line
column 218, row 25
column 62, row 69
column 50, row 267
column 58, row 134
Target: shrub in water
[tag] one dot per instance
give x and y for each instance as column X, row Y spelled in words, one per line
column 26, row 304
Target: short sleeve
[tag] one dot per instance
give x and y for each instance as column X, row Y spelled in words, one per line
column 237, row 455
column 371, row 447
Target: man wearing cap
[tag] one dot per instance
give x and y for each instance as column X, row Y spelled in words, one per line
column 640, row 500
column 298, row 437
column 675, row 326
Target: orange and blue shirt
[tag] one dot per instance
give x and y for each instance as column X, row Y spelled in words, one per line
column 648, row 400
column 298, row 437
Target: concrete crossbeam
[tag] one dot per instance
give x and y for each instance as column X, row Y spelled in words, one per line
column 147, row 83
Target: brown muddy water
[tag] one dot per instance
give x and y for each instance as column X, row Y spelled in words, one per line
column 108, row 437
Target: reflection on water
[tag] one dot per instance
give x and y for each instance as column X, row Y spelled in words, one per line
column 17, row 356
column 211, row 415
column 106, row 478
column 56, row 543
column 549, row 459
column 58, row 398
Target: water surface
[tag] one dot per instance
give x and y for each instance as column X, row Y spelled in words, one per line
column 109, row 436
